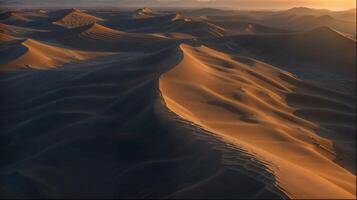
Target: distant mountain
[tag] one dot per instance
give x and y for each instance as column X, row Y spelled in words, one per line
column 306, row 11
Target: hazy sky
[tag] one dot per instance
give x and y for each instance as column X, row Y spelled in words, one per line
column 234, row 4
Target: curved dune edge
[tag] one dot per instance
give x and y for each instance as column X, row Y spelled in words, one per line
column 77, row 112
column 38, row 55
column 244, row 103
column 76, row 18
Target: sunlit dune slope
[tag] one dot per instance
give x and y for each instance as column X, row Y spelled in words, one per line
column 244, row 102
column 34, row 54
column 76, row 18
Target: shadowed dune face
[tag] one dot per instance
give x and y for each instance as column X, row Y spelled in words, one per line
column 318, row 53
column 245, row 103
column 169, row 23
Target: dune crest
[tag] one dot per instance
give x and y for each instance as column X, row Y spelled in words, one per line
column 97, row 31
column 13, row 16
column 76, row 18
column 6, row 38
column 244, row 102
column 34, row 54
column 17, row 30
column 145, row 12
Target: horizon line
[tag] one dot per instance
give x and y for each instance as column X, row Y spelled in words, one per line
column 166, row 6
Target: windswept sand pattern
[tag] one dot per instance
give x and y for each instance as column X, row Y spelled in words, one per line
column 76, row 18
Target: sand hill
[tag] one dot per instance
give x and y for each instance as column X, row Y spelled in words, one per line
column 17, row 30
column 99, row 37
column 144, row 142
column 306, row 22
column 145, row 12
column 12, row 16
column 236, row 25
column 75, row 18
column 34, row 54
column 244, row 102
column 171, row 23
column 321, row 49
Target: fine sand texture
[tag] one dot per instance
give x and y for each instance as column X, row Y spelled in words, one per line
column 181, row 104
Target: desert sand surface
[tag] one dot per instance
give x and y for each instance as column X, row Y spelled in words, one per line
column 205, row 103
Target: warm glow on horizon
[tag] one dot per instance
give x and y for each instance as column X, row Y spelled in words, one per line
column 330, row 4
column 231, row 4
column 284, row 4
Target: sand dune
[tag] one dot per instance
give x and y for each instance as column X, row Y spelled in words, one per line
column 145, row 12
column 321, row 51
column 12, row 16
column 76, row 18
column 244, row 102
column 98, row 37
column 4, row 38
column 17, row 30
column 349, row 15
column 240, row 26
column 23, row 15
column 34, row 54
column 306, row 22
column 169, row 23
column 105, row 121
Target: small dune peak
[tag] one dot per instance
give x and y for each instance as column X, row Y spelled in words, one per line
column 13, row 15
column 75, row 10
column 29, row 42
column 177, row 17
column 322, row 30
column 76, row 18
column 306, row 11
column 93, row 25
column 6, row 38
column 98, row 31
column 325, row 18
column 144, row 11
column 295, row 9
column 98, row 27
column 327, row 34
